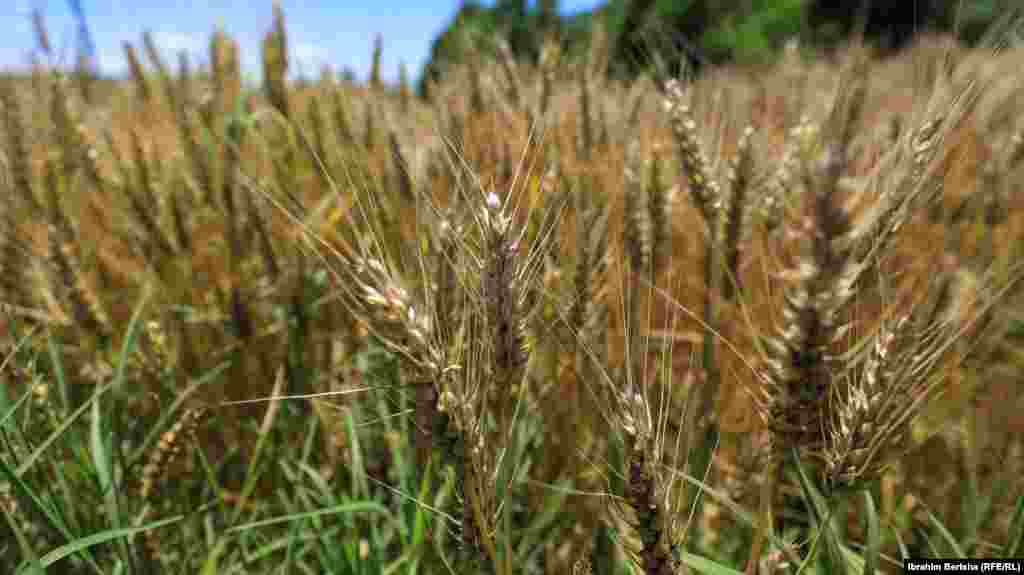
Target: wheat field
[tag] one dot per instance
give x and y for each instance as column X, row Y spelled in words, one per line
column 758, row 321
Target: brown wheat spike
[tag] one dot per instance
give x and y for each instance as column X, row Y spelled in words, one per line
column 447, row 304
column 77, row 149
column 874, row 413
column 703, row 188
column 147, row 190
column 224, row 67
column 509, row 67
column 64, row 134
column 632, row 416
column 138, row 74
column 586, row 114
column 233, row 140
column 158, row 462
column 14, row 247
column 164, row 75
column 549, row 59
column 658, row 215
column 638, row 246
column 275, row 64
column 178, row 98
column 804, row 355
column 87, row 310
column 161, row 355
column 1015, row 150
column 182, row 233
column 872, row 418
column 404, row 91
column 14, row 260
column 591, row 262
column 376, row 79
column 740, row 174
column 406, row 186
column 913, row 186
column 258, row 222
column 191, row 132
column 849, row 456
column 389, row 312
column 501, row 292
column 90, row 154
column 637, row 224
column 318, row 128
column 742, row 472
column 641, row 494
column 442, row 420
column 370, row 112
column 18, row 152
column 342, row 124
column 777, row 195
column 378, row 298
column 477, row 101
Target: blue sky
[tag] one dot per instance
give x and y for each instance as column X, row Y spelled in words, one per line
column 338, row 33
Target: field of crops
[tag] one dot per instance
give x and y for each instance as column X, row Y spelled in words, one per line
column 757, row 321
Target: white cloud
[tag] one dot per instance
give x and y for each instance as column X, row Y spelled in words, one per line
column 111, row 60
column 309, row 57
column 174, row 42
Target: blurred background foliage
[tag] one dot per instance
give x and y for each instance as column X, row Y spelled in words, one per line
column 705, row 31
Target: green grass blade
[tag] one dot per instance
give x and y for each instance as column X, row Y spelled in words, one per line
column 98, row 450
column 101, row 537
column 946, row 536
column 58, row 374
column 355, row 507
column 833, row 560
column 873, row 549
column 252, row 474
column 9, row 412
column 31, row 559
column 707, row 566
column 1015, row 534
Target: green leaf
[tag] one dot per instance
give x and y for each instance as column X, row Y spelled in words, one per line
column 946, row 536
column 355, row 507
column 32, row 560
column 1015, row 535
column 101, row 537
column 702, row 565
column 873, row 549
column 98, row 449
column 834, row 560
